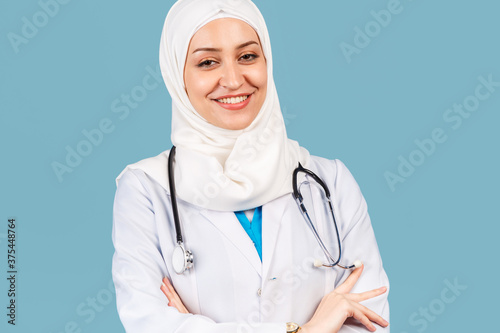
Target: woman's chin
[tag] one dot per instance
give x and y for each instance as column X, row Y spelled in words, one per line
column 234, row 119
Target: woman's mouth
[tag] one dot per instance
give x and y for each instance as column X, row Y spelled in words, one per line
column 233, row 100
column 234, row 103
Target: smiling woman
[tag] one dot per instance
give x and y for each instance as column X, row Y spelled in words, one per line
column 226, row 74
column 257, row 261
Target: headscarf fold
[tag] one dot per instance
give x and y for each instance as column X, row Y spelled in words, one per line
column 216, row 168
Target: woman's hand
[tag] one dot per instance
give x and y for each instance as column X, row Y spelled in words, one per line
column 340, row 304
column 172, row 296
column 332, row 311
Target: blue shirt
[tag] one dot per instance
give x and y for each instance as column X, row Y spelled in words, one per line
column 254, row 228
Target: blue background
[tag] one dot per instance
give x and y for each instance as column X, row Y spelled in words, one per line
column 366, row 109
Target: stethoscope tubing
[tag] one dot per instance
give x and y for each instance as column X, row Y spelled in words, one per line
column 300, row 202
column 183, row 259
column 173, row 196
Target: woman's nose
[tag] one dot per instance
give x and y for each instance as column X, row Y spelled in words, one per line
column 232, row 76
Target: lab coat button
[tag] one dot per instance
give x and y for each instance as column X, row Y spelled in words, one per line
column 259, row 292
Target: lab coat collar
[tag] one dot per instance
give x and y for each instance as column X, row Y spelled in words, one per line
column 230, row 227
column 272, row 213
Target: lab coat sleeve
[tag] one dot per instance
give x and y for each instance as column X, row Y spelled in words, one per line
column 358, row 241
column 138, row 267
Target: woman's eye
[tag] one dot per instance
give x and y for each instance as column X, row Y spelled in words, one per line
column 206, row 63
column 249, row 57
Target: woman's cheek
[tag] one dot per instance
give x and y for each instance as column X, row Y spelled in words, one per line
column 198, row 86
column 259, row 75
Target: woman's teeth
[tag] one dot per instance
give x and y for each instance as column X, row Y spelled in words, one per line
column 232, row 100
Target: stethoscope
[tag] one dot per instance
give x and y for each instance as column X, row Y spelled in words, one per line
column 182, row 259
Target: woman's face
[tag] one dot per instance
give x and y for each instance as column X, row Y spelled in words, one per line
column 226, row 74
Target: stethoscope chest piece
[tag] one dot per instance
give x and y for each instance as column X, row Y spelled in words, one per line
column 182, row 259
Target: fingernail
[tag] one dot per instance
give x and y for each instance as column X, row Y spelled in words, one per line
column 163, row 285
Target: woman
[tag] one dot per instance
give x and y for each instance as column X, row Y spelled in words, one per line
column 254, row 253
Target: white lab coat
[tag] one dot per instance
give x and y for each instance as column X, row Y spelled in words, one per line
column 229, row 289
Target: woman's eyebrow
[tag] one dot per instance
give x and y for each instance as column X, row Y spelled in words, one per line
column 211, row 49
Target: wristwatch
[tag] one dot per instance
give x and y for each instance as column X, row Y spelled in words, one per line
column 292, row 327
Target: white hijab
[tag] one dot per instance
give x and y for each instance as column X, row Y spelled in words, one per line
column 216, row 168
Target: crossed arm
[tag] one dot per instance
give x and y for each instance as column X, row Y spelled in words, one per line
column 142, row 305
column 331, row 313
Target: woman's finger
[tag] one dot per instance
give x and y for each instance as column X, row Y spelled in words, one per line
column 372, row 316
column 172, row 291
column 165, row 290
column 171, row 300
column 351, row 280
column 164, row 286
column 363, row 319
column 179, row 306
column 359, row 297
column 173, row 297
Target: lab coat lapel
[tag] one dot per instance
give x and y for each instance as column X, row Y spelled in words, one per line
column 227, row 223
column 272, row 215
